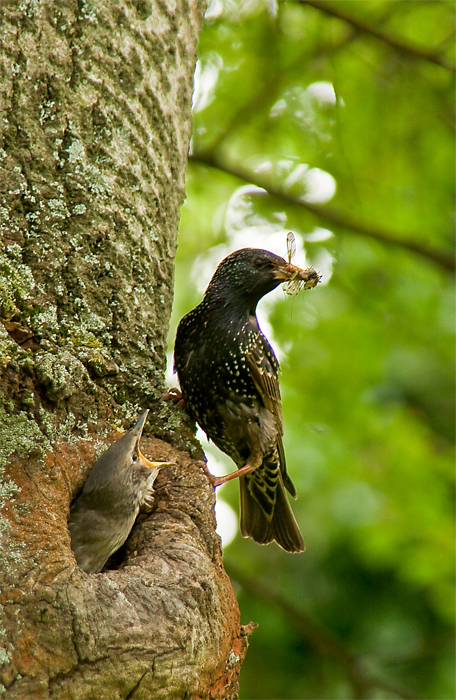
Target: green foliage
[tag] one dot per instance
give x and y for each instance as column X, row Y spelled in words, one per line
column 358, row 113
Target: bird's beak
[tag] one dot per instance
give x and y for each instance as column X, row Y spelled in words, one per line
column 139, row 425
column 289, row 273
column 137, row 431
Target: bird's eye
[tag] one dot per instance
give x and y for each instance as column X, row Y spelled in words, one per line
column 134, row 457
column 265, row 264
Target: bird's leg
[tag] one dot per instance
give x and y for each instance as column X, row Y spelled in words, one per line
column 175, row 396
column 253, row 462
column 219, row 480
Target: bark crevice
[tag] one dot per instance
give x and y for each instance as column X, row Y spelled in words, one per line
column 94, row 133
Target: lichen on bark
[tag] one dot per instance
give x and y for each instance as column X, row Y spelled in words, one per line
column 94, row 131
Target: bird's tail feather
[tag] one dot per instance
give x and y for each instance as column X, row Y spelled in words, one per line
column 281, row 528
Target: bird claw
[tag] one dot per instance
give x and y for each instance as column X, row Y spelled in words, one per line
column 175, row 396
column 219, row 480
column 214, row 480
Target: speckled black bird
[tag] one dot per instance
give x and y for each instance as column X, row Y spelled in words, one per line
column 228, row 376
column 119, row 483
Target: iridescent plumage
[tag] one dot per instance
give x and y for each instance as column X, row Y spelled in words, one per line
column 228, row 376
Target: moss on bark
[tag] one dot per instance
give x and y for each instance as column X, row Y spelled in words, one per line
column 94, row 133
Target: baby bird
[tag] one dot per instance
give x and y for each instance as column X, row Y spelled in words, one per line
column 120, row 482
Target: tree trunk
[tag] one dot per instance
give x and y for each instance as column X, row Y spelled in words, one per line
column 95, row 125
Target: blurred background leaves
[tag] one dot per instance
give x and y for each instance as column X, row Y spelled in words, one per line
column 336, row 120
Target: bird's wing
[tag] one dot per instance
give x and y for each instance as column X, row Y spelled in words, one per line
column 263, row 369
column 264, row 366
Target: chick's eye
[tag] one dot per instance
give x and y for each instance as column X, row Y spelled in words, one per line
column 134, row 457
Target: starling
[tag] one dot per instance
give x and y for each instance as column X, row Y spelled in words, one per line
column 228, row 376
column 120, row 482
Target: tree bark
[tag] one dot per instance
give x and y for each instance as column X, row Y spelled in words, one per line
column 94, row 132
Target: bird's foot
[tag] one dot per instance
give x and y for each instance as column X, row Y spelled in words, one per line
column 203, row 465
column 219, row 480
column 175, row 396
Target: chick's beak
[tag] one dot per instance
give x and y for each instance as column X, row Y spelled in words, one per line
column 138, row 428
column 148, row 463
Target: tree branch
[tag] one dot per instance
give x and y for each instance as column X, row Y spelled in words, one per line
column 268, row 91
column 363, row 26
column 443, row 258
column 318, row 636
